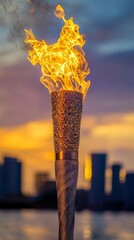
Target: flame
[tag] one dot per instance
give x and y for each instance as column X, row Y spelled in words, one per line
column 63, row 63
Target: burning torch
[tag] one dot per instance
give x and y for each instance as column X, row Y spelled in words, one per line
column 64, row 69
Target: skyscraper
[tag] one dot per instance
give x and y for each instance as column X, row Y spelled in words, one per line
column 1, row 181
column 12, row 177
column 97, row 194
column 116, row 194
column 40, row 179
column 129, row 191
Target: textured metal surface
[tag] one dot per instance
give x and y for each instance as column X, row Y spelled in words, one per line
column 66, row 181
column 66, row 114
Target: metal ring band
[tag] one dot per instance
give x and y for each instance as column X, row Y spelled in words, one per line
column 67, row 156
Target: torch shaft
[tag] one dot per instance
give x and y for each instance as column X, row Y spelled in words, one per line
column 66, row 114
column 66, row 181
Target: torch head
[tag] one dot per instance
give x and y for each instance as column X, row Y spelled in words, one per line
column 66, row 115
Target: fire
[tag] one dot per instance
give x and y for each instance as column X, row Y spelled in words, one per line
column 63, row 63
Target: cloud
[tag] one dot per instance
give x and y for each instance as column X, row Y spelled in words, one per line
column 108, row 26
column 109, row 131
column 32, row 135
column 109, row 13
column 120, row 38
column 24, row 98
column 118, row 128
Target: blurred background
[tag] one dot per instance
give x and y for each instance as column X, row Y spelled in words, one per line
column 107, row 129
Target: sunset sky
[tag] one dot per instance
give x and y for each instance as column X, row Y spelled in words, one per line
column 108, row 111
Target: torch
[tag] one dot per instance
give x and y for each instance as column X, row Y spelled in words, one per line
column 64, row 69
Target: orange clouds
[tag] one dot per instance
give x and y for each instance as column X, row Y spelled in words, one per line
column 110, row 131
column 31, row 135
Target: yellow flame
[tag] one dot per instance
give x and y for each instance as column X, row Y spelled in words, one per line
column 63, row 63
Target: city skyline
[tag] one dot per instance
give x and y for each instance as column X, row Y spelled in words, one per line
column 44, row 174
column 25, row 111
column 94, row 197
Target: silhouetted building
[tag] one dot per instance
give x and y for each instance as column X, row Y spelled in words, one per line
column 129, row 192
column 97, row 193
column 1, row 181
column 12, row 177
column 116, row 194
column 81, row 202
column 49, row 186
column 48, row 195
column 40, row 179
column 18, row 177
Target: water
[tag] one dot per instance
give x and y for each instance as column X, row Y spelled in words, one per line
column 43, row 225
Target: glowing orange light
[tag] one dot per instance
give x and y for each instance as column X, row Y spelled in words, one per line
column 122, row 175
column 109, row 173
column 108, row 182
column 63, row 63
column 88, row 169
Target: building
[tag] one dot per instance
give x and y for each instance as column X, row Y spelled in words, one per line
column 116, row 194
column 1, row 181
column 12, row 176
column 48, row 195
column 81, row 202
column 129, row 192
column 40, row 179
column 97, row 193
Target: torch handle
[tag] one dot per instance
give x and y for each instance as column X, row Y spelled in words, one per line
column 66, row 182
